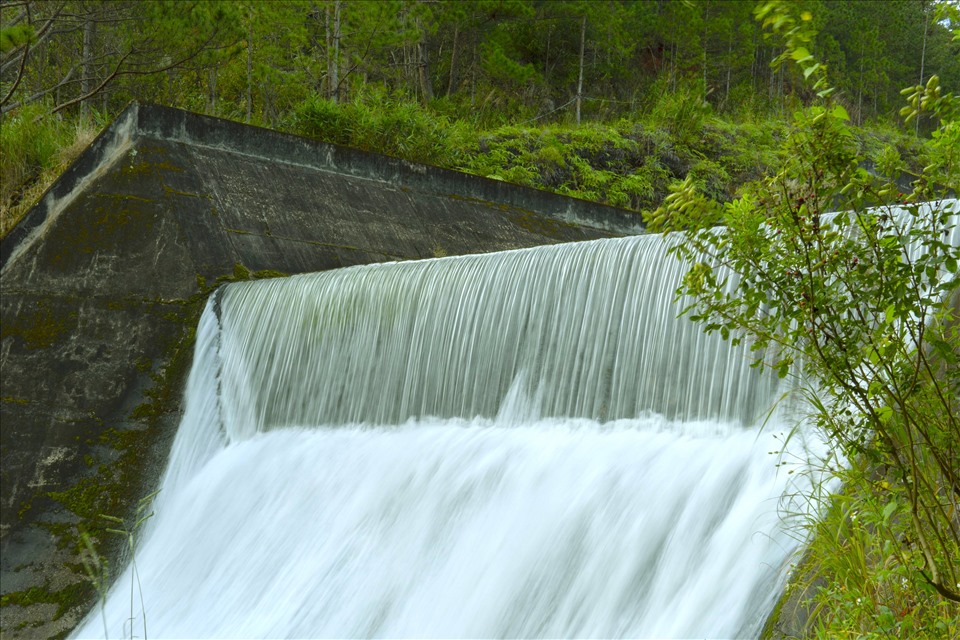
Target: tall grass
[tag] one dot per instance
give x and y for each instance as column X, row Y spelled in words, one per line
column 856, row 578
column 34, row 150
column 381, row 122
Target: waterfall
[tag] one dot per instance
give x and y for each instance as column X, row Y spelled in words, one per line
column 520, row 444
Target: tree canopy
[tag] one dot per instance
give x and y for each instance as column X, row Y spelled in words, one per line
column 257, row 61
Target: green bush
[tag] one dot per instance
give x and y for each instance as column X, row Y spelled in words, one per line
column 864, row 309
column 682, row 111
column 377, row 121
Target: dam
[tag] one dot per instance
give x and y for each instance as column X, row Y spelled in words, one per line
column 521, row 444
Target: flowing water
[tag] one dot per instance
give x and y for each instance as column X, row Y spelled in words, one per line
column 521, row 444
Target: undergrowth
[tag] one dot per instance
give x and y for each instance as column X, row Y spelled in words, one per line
column 628, row 163
column 857, row 576
column 36, row 149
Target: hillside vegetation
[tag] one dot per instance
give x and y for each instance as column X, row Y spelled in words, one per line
column 608, row 101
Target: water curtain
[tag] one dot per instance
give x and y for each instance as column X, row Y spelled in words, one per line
column 527, row 443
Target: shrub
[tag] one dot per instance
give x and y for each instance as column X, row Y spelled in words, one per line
column 865, row 308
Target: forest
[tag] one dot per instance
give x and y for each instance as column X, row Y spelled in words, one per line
column 603, row 100
column 760, row 116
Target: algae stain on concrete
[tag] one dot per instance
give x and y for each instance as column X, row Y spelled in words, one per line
column 38, row 325
column 115, row 485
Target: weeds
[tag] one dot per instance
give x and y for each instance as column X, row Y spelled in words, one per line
column 34, row 151
column 97, row 567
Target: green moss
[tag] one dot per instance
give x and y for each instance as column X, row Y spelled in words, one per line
column 39, row 325
column 268, row 273
column 240, row 232
column 25, row 508
column 120, row 197
column 65, row 598
column 62, row 533
column 168, row 189
column 87, row 497
column 770, row 624
column 240, row 274
column 13, row 400
column 114, row 488
column 540, row 225
column 141, row 165
column 32, row 595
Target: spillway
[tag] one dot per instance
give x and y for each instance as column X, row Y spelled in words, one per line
column 520, row 444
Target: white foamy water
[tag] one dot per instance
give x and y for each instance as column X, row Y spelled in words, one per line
column 473, row 529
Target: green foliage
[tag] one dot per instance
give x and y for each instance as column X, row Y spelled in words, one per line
column 30, row 145
column 34, row 150
column 870, row 592
column 380, row 122
column 864, row 306
column 593, row 162
column 874, row 332
column 424, row 80
column 682, row 113
column 15, row 36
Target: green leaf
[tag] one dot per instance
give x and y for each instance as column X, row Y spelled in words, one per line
column 889, row 314
column 783, row 369
column 888, row 510
column 839, row 113
column 800, row 54
column 884, row 413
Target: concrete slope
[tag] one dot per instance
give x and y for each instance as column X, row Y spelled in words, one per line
column 104, row 280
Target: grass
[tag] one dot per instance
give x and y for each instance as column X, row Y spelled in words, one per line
column 856, row 580
column 34, row 151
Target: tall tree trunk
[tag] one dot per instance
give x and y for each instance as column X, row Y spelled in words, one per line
column 546, row 58
column 583, row 40
column 706, row 10
column 250, row 71
column 675, row 53
column 87, row 82
column 780, row 93
column 473, row 75
column 860, row 87
column 423, row 64
column 726, row 92
column 333, row 52
column 212, row 86
column 453, row 60
column 328, row 50
column 772, row 89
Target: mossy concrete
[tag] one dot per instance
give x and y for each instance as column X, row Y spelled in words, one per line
column 104, row 280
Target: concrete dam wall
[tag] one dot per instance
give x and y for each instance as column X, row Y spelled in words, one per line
column 104, row 280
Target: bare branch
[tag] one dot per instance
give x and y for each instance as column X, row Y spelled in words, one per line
column 63, row 82
column 105, row 82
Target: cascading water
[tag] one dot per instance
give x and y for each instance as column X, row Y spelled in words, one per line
column 527, row 443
